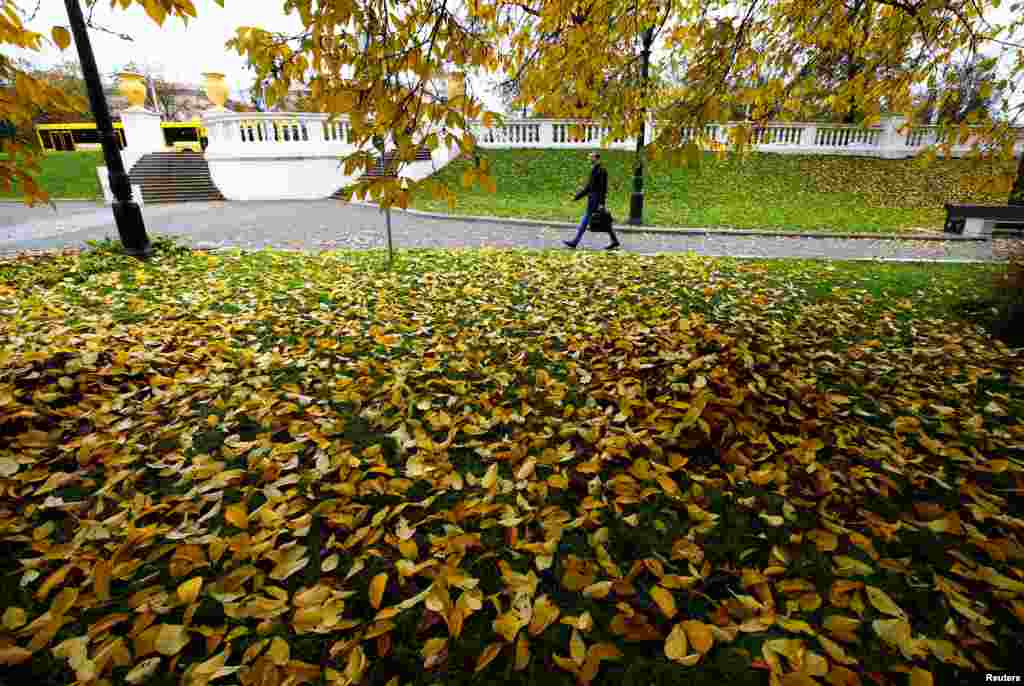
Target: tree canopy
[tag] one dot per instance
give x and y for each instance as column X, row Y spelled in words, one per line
column 375, row 61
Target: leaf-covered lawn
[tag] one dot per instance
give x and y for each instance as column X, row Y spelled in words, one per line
column 763, row 191
column 497, row 467
column 67, row 175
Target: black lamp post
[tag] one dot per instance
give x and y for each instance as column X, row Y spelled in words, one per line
column 127, row 214
column 636, row 201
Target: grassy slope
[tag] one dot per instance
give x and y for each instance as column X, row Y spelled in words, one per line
column 763, row 191
column 68, row 175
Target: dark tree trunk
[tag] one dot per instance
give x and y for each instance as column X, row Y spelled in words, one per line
column 1017, row 192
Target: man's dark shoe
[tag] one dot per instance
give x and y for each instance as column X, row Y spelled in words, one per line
column 569, row 244
column 613, row 246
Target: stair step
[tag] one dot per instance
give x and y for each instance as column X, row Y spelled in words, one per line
column 182, row 198
column 175, row 177
column 173, row 180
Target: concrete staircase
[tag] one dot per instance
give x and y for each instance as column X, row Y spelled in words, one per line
column 174, row 177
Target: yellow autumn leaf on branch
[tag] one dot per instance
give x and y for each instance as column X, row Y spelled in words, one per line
column 61, row 37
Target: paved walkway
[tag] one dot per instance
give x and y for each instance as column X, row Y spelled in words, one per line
column 13, row 213
column 328, row 225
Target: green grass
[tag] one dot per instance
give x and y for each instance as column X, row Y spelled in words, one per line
column 67, row 175
column 196, row 416
column 762, row 191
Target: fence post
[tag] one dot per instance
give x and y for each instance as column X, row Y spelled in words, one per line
column 892, row 143
column 809, row 135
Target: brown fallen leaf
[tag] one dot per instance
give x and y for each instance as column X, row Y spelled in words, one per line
column 487, row 657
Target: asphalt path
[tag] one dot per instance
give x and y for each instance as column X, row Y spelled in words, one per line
column 331, row 225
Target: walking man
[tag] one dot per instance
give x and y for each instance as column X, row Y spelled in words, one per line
column 596, row 192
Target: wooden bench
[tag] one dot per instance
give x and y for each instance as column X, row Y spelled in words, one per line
column 980, row 220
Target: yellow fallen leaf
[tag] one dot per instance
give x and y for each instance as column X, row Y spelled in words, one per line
column 835, row 651
column 676, row 582
column 676, row 644
column 565, row 663
column 522, row 653
column 796, row 626
column 809, row 602
column 377, row 587
column 8, row 467
column 897, row 632
column 101, row 579
column 356, row 665
column 668, row 485
column 577, row 648
column 545, row 613
column 881, row 601
column 842, row 626
column 825, row 541
column 141, row 672
column 996, row 579
column 280, row 652
column 491, row 477
column 665, row 601
column 237, row 515
column 487, row 657
column 790, row 648
column 14, row 618
column 189, row 591
column 849, row 566
column 598, row 590
column 331, row 563
column 842, row 676
column 525, row 471
column 699, row 634
column 814, row 664
column 171, row 639
column 63, row 601
column 508, row 625
column 433, row 651
column 921, row 677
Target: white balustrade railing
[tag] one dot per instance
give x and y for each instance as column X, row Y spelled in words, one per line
column 256, row 134
column 890, row 139
column 283, row 155
column 920, row 136
column 295, row 135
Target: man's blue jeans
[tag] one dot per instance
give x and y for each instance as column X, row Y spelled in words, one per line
column 584, row 223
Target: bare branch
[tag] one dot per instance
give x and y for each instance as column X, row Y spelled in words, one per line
column 97, row 27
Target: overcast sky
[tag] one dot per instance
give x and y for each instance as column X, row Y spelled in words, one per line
column 183, row 53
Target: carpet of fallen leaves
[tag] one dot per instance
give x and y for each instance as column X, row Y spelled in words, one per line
column 498, row 467
column 910, row 183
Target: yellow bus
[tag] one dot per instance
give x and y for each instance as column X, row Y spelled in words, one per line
column 67, row 137
column 185, row 135
column 84, row 136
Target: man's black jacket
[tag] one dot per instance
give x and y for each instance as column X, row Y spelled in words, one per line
column 596, row 189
